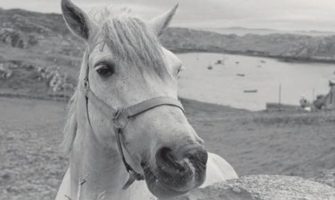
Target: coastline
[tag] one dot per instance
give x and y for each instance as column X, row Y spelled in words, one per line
column 288, row 59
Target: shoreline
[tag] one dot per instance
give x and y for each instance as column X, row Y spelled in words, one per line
column 288, row 59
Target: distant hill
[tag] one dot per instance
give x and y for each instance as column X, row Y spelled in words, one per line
column 38, row 54
column 263, row 31
column 284, row 46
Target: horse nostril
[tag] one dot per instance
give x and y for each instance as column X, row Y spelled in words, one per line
column 195, row 153
column 166, row 160
column 182, row 166
column 165, row 154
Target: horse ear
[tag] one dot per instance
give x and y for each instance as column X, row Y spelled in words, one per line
column 76, row 19
column 160, row 23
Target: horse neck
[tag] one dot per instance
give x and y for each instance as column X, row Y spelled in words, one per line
column 95, row 171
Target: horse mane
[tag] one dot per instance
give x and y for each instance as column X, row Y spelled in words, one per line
column 71, row 124
column 130, row 40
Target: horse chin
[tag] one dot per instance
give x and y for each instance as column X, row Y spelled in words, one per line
column 164, row 185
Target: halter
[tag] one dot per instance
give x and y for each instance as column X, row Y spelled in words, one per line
column 120, row 118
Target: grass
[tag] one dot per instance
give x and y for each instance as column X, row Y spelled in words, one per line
column 288, row 143
column 283, row 143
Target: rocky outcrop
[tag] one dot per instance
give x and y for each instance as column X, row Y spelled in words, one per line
column 56, row 80
column 5, row 71
column 16, row 38
column 31, row 79
column 264, row 187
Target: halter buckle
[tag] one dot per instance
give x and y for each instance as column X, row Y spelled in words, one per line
column 86, row 82
column 120, row 119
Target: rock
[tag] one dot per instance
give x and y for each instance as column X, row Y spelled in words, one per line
column 5, row 72
column 264, row 187
column 326, row 177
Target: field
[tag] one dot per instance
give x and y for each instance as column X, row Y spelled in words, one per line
column 288, row 143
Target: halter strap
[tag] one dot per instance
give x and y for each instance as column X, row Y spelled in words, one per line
column 149, row 104
column 120, row 119
column 132, row 111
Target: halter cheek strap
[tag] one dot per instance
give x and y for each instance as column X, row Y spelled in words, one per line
column 120, row 118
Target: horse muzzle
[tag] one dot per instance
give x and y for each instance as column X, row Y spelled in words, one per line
column 177, row 170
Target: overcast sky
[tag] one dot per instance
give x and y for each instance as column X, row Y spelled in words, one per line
column 274, row 14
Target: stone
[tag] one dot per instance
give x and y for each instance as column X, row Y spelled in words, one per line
column 264, row 187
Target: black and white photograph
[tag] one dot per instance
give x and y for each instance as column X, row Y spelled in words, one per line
column 167, row 100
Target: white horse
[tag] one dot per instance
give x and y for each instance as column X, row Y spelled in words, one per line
column 126, row 134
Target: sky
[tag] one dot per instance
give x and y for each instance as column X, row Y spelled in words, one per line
column 305, row 15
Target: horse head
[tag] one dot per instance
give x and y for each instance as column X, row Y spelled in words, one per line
column 126, row 65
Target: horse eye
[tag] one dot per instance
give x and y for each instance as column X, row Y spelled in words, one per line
column 105, row 70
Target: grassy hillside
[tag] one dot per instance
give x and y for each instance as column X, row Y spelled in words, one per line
column 290, row 47
column 38, row 55
column 288, row 143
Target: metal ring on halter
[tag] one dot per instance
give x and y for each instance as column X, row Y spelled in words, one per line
column 120, row 120
column 86, row 87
